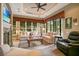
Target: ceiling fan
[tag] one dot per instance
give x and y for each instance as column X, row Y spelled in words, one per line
column 40, row 6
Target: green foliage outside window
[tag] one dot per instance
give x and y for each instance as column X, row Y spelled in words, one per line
column 54, row 25
column 14, row 27
column 14, row 23
column 22, row 26
column 28, row 26
column 34, row 26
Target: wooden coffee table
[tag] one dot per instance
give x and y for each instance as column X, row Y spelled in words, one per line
column 34, row 39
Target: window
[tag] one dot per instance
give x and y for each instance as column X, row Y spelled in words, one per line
column 54, row 26
column 14, row 27
column 28, row 26
column 22, row 26
column 48, row 26
column 14, row 22
column 51, row 26
column 34, row 26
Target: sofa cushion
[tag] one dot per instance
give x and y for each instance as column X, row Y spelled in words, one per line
column 5, row 48
column 47, row 37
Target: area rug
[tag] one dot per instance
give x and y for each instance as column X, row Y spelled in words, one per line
column 46, row 50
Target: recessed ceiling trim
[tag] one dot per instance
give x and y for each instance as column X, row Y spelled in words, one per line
column 52, row 11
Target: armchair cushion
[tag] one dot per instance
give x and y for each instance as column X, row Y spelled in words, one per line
column 66, row 40
column 5, row 48
column 74, row 35
column 1, row 52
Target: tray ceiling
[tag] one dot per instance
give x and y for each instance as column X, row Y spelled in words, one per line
column 25, row 9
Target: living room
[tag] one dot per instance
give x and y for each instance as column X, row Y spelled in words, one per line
column 31, row 27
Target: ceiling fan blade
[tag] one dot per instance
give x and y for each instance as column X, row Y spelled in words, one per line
column 37, row 4
column 44, row 4
column 43, row 9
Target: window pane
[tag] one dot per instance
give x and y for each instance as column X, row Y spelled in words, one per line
column 48, row 26
column 34, row 26
column 14, row 27
column 22, row 25
column 54, row 25
column 28, row 26
column 14, row 22
column 51, row 26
